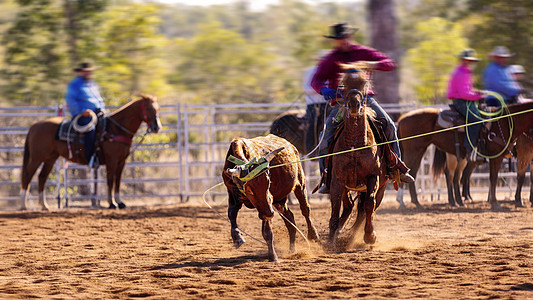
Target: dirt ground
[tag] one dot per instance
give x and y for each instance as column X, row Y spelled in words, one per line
column 185, row 252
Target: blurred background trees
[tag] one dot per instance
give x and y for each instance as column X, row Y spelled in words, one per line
column 232, row 54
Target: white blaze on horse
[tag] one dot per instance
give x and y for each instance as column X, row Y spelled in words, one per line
column 42, row 147
column 252, row 178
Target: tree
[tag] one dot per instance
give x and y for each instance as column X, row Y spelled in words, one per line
column 383, row 36
column 433, row 59
column 130, row 52
column 221, row 65
column 35, row 58
column 507, row 23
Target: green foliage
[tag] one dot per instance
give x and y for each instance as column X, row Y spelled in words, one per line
column 222, row 65
column 130, row 53
column 507, row 23
column 433, row 57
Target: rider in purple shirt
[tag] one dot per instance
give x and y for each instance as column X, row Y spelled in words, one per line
column 328, row 71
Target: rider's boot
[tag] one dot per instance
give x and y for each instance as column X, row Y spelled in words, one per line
column 396, row 163
column 324, row 189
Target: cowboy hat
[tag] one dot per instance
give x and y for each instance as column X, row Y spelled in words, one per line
column 340, row 31
column 468, row 54
column 501, row 51
column 84, row 66
column 516, row 69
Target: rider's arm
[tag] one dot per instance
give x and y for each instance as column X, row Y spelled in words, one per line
column 497, row 79
column 71, row 98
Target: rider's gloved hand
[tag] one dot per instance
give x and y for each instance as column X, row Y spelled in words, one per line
column 329, row 94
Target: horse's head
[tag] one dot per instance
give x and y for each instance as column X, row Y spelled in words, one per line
column 150, row 111
column 354, row 82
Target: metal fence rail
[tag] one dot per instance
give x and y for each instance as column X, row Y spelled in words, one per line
column 175, row 165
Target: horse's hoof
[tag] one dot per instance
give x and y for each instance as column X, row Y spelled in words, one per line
column 273, row 258
column 452, row 204
column 121, row 205
column 519, row 204
column 370, row 239
column 418, row 205
column 112, row 206
column 238, row 243
column 495, row 205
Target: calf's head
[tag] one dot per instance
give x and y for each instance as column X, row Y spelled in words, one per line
column 256, row 188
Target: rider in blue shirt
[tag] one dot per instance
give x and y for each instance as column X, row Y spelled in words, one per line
column 83, row 96
column 496, row 77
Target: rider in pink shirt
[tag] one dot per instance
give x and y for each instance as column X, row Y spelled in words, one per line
column 461, row 92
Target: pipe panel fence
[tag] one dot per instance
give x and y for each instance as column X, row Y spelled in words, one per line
column 176, row 165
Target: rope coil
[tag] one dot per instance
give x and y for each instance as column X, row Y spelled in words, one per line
column 87, row 127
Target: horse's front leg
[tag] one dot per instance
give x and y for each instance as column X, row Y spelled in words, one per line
column 269, row 238
column 495, row 165
column 337, row 196
column 234, row 205
column 369, row 205
column 118, row 177
column 520, row 178
column 110, row 174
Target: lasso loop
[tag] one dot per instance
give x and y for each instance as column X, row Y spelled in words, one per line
column 503, row 108
column 89, row 126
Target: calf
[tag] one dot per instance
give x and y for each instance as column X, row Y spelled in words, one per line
column 252, row 179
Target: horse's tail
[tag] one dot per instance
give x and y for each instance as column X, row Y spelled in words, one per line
column 24, row 175
column 439, row 163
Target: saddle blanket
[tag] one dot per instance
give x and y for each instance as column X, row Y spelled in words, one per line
column 66, row 135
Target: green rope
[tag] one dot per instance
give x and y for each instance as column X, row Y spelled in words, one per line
column 491, row 114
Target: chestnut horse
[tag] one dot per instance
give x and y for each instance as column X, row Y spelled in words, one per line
column 524, row 156
column 363, row 171
column 42, row 147
column 424, row 120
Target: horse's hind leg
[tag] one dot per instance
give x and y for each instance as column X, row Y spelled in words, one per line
column 28, row 170
column 289, row 222
column 43, row 176
column 347, row 206
column 337, row 194
column 301, row 195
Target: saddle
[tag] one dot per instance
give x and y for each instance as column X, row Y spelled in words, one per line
column 450, row 118
column 67, row 133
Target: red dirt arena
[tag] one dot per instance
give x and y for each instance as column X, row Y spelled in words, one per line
column 186, row 252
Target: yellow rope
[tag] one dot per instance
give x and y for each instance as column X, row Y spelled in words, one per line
column 406, row 138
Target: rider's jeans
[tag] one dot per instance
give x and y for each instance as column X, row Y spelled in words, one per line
column 88, row 137
column 473, row 116
column 315, row 116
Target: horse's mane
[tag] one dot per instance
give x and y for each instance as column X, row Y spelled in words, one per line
column 419, row 111
column 125, row 106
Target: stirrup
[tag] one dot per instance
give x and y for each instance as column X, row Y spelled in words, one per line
column 93, row 162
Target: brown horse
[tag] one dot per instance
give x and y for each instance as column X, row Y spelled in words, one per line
column 363, row 171
column 424, row 120
column 524, row 156
column 42, row 147
column 292, row 126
